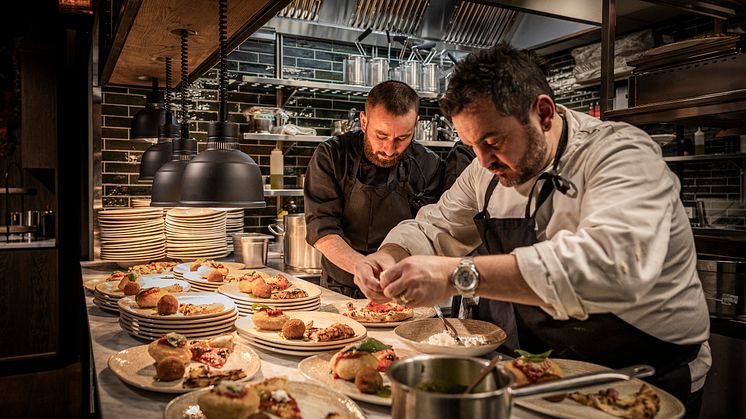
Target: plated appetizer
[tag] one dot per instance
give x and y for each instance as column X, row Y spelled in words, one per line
column 152, row 268
column 362, row 362
column 643, row 404
column 210, row 264
column 378, row 313
column 531, row 368
column 260, row 285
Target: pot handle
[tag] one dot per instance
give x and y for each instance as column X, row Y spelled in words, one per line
column 276, row 229
column 584, row 380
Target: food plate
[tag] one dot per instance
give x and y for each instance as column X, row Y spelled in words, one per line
column 329, row 346
column 670, row 406
column 110, row 289
column 313, row 400
column 193, row 329
column 185, row 321
column 128, row 305
column 415, row 332
column 317, row 368
column 190, row 335
column 90, row 284
column 291, row 352
column 135, row 367
column 320, row 319
column 232, row 291
column 419, row 313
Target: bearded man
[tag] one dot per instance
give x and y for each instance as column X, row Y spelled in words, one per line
column 361, row 184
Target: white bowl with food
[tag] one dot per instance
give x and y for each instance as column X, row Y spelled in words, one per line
column 428, row 336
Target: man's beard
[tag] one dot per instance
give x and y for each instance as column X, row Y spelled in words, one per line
column 532, row 162
column 377, row 158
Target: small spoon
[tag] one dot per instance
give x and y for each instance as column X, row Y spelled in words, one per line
column 483, row 373
column 449, row 327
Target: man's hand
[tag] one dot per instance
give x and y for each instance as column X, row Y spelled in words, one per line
column 419, row 281
column 368, row 271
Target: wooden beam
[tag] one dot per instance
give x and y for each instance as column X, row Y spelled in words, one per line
column 120, row 37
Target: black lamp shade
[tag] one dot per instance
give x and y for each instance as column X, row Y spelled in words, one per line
column 154, row 157
column 222, row 176
column 166, row 189
column 145, row 123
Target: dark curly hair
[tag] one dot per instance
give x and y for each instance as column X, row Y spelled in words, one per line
column 396, row 97
column 511, row 78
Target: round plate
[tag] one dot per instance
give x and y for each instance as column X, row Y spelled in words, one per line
column 184, row 322
column 232, row 291
column 127, row 304
column 320, row 319
column 186, row 330
column 90, row 284
column 419, row 313
column 313, row 400
column 414, row 332
column 151, row 336
column 670, row 406
column 291, row 352
column 110, row 289
column 317, row 368
column 135, row 367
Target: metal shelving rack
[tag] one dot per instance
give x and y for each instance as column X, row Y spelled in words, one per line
column 322, row 138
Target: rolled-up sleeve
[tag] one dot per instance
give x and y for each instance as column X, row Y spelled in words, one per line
column 323, row 197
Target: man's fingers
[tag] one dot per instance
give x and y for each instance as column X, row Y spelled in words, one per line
column 391, row 274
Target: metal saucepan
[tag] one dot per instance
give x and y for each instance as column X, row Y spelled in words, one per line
column 492, row 398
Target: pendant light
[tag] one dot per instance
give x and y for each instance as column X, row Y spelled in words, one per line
column 145, row 123
column 167, row 182
column 222, row 176
column 160, row 153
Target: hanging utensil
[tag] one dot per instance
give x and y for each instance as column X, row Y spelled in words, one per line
column 448, row 326
column 360, row 39
column 483, row 373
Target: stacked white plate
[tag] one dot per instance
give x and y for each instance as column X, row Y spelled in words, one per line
column 245, row 301
column 196, row 277
column 193, row 233
column 132, row 234
column 106, row 295
column 233, row 224
column 140, row 202
column 146, row 323
column 272, row 341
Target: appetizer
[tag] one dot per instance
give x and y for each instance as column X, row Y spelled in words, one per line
column 229, row 400
column 337, row 331
column 203, row 376
column 152, row 268
column 168, row 304
column 200, row 309
column 116, row 276
column 346, row 363
column 378, row 313
column 170, row 345
column 267, row 318
column 368, row 380
column 530, row 368
column 148, row 298
column 289, row 294
column 210, row 264
column 644, row 404
column 294, row 329
column 132, row 288
column 169, row 368
column 213, row 352
column 215, row 275
column 275, row 398
column 126, row 279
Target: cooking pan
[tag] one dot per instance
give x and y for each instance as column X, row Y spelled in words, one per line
column 492, row 398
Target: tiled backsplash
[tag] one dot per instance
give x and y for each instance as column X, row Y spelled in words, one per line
column 716, row 182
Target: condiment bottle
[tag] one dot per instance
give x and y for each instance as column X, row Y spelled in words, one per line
column 699, row 141
column 276, row 169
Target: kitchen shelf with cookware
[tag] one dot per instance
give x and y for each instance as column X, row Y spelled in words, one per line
column 322, row 138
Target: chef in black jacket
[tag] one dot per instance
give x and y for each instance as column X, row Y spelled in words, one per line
column 361, row 184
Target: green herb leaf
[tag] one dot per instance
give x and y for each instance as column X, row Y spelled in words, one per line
column 384, row 391
column 176, row 340
column 132, row 276
column 369, row 345
column 534, row 357
column 257, row 306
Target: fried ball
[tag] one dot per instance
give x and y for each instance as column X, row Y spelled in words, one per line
column 294, row 329
column 168, row 304
column 169, row 369
column 262, row 290
column 258, row 415
column 368, row 380
column 132, row 288
column 215, row 275
column 345, row 364
column 148, row 297
column 229, row 400
column 269, row 319
column 256, row 281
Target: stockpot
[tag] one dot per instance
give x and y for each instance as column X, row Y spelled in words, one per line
column 355, row 70
column 297, row 252
column 378, row 71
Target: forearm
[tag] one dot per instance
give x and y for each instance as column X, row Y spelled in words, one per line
column 396, row 251
column 334, row 248
column 500, row 279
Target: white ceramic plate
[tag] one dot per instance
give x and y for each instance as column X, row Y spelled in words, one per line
column 232, row 291
column 670, row 406
column 188, row 331
column 415, row 332
column 90, row 284
column 283, row 351
column 312, row 306
column 195, row 327
column 419, row 313
column 151, row 336
column 135, row 367
column 184, row 322
column 313, row 400
column 128, row 305
column 320, row 319
column 110, row 288
column 317, row 368
column 193, row 212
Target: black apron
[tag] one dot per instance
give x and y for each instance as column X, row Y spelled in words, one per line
column 602, row 338
column 370, row 212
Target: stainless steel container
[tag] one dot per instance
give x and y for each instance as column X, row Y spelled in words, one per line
column 355, row 70
column 378, row 71
column 395, row 74
column 491, row 399
column 411, row 73
column 251, row 249
column 431, row 78
column 427, row 130
column 724, row 285
column 298, row 253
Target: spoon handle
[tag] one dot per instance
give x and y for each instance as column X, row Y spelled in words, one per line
column 483, row 373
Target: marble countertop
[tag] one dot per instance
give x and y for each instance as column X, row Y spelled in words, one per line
column 119, row 400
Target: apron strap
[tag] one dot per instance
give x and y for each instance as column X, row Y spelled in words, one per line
column 488, row 195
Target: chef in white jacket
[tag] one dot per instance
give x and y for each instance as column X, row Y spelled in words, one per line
column 582, row 219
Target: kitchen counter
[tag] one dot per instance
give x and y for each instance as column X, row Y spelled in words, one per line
column 28, row 244
column 117, row 399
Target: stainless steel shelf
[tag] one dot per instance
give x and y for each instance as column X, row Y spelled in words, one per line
column 319, row 87
column 705, row 157
column 322, row 138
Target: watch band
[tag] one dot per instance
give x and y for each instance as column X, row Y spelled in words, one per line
column 466, row 264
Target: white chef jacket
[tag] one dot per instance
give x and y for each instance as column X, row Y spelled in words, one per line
column 619, row 242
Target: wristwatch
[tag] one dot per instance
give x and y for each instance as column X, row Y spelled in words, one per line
column 466, row 277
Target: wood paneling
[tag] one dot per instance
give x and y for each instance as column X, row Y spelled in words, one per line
column 38, row 108
column 49, row 394
column 29, row 317
column 150, row 38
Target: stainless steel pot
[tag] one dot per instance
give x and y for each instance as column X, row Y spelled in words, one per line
column 411, row 73
column 251, row 249
column 491, row 399
column 378, row 71
column 427, row 130
column 430, row 78
column 355, row 70
column 724, row 285
column 297, row 252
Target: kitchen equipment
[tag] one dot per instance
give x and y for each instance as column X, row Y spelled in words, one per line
column 278, row 231
column 340, row 126
column 298, row 253
column 449, row 329
column 430, row 78
column 412, row 74
column 724, row 285
column 417, row 333
column 395, row 73
column 251, row 249
column 427, row 130
column 355, row 70
column 47, row 224
column 260, row 119
column 378, row 71
column 483, row 373
column 492, row 398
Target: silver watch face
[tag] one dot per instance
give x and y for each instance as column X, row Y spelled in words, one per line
column 465, row 279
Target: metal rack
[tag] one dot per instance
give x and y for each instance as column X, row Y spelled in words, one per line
column 322, row 138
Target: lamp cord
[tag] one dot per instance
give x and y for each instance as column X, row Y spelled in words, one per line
column 223, row 40
column 184, row 72
column 168, row 84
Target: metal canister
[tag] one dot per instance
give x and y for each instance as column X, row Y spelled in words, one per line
column 378, row 71
column 355, row 70
column 430, row 78
column 411, row 72
column 724, row 285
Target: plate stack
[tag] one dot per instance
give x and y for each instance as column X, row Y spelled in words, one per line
column 146, row 323
column 272, row 341
column 233, row 224
column 244, row 301
column 198, row 278
column 193, row 233
column 131, row 235
column 140, row 202
column 106, row 295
